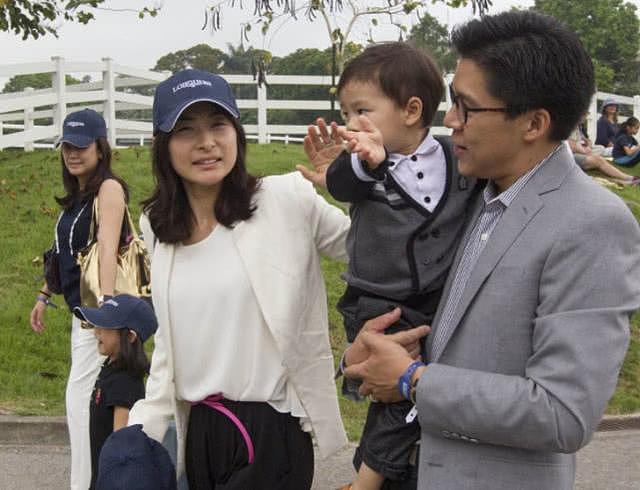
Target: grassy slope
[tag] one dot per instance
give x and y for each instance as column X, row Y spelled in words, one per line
column 33, row 368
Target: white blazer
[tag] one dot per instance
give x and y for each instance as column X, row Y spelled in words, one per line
column 280, row 247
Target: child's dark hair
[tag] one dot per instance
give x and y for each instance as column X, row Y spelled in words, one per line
column 631, row 122
column 101, row 173
column 132, row 357
column 402, row 71
column 519, row 55
column 168, row 208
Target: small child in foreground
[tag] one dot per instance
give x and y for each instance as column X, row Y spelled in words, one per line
column 122, row 324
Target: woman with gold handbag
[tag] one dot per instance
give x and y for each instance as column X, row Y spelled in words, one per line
column 86, row 176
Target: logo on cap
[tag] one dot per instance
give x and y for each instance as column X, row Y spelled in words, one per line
column 110, row 302
column 75, row 124
column 190, row 84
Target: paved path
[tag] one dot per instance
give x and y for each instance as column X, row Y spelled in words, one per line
column 610, row 462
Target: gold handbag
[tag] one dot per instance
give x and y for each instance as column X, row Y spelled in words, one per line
column 132, row 269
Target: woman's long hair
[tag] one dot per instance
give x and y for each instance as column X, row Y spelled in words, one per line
column 168, row 208
column 101, row 173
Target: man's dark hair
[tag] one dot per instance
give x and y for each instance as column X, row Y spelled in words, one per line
column 531, row 61
column 101, row 173
column 168, row 208
column 402, row 71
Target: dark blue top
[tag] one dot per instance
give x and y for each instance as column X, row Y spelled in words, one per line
column 72, row 234
column 623, row 140
column 606, row 132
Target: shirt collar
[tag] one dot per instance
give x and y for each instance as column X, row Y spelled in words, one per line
column 507, row 196
column 427, row 146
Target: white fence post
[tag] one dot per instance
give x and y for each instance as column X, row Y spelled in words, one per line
column 109, row 111
column 262, row 113
column 592, row 119
column 636, row 106
column 59, row 85
column 28, row 121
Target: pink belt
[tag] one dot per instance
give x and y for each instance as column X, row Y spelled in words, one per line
column 213, row 401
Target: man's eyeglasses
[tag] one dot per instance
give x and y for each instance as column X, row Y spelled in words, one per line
column 462, row 111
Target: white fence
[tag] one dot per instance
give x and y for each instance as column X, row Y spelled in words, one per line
column 20, row 111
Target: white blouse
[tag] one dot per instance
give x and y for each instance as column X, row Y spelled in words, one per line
column 216, row 319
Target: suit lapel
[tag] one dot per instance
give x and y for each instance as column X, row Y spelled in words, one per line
column 514, row 220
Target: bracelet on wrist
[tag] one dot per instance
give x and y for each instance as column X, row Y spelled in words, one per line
column 47, row 302
column 404, row 382
column 48, row 295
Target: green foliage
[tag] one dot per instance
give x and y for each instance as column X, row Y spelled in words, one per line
column 35, row 19
column 18, row 83
column 432, row 36
column 610, row 31
column 200, row 56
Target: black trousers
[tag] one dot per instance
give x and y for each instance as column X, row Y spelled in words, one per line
column 217, row 456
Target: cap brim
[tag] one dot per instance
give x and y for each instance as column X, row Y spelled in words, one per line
column 77, row 140
column 96, row 317
column 168, row 125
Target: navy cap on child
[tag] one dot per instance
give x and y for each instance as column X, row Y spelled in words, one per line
column 185, row 88
column 130, row 460
column 122, row 311
column 81, row 128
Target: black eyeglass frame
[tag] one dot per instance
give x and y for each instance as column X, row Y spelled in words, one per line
column 461, row 107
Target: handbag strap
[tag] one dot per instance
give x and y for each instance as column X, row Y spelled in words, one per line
column 95, row 217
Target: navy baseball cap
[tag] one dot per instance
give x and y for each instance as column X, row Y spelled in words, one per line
column 130, row 460
column 185, row 88
column 122, row 311
column 82, row 128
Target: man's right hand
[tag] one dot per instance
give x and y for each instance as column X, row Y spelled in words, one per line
column 358, row 352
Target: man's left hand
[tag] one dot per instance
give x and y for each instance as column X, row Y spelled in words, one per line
column 387, row 361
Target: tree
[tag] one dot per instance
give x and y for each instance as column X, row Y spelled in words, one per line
column 339, row 24
column 37, row 18
column 432, row 36
column 610, row 31
column 37, row 81
column 200, row 56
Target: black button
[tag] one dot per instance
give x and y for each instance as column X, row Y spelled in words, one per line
column 414, row 158
column 391, row 164
column 435, row 233
column 419, row 175
column 427, row 199
column 439, row 259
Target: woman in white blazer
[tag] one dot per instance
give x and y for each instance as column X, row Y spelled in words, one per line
column 242, row 357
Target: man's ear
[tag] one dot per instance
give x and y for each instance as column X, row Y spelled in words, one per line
column 538, row 125
column 413, row 111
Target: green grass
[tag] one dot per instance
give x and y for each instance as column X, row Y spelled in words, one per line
column 33, row 368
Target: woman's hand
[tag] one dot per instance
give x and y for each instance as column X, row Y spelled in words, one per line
column 37, row 315
column 322, row 148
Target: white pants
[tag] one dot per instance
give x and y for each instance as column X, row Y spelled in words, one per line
column 85, row 365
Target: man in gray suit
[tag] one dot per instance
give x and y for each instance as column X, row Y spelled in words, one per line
column 533, row 324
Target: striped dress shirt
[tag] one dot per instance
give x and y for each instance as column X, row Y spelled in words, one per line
column 494, row 207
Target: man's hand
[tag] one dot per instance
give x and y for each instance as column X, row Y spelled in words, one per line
column 388, row 360
column 357, row 352
column 367, row 142
column 322, row 147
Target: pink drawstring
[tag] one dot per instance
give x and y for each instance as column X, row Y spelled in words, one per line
column 213, row 401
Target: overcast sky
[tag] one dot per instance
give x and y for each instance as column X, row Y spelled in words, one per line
column 130, row 41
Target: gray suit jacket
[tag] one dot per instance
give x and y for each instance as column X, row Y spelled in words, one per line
column 539, row 338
